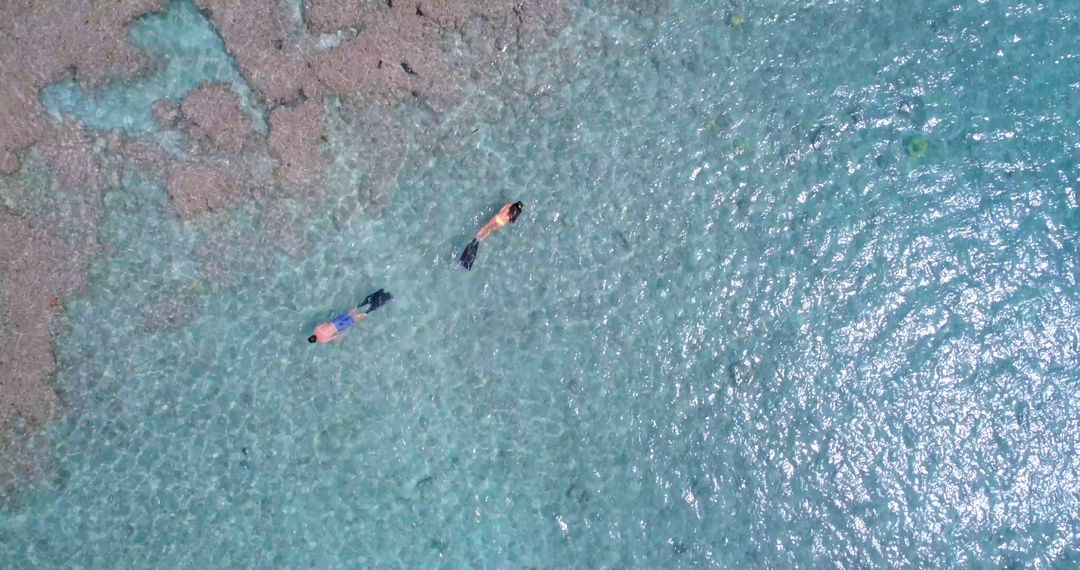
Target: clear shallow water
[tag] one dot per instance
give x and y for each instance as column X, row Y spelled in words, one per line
column 737, row 326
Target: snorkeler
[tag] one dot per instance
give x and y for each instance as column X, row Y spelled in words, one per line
column 507, row 215
column 337, row 328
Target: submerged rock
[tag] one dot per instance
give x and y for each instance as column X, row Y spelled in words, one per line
column 917, row 147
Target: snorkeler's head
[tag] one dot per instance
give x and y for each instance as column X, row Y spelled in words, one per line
column 312, row 338
column 515, row 210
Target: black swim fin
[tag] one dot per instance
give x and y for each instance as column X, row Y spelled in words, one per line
column 469, row 255
column 376, row 300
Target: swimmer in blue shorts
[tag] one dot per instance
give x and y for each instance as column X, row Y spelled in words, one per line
column 337, row 328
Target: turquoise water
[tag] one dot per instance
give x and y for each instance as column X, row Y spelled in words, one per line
column 748, row 319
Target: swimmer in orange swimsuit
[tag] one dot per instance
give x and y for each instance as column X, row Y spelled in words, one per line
column 507, row 215
column 337, row 328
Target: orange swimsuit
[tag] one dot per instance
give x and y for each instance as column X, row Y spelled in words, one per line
column 500, row 220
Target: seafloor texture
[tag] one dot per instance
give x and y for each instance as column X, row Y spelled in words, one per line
column 795, row 286
column 204, row 113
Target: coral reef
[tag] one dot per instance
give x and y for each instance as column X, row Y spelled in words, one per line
column 258, row 35
column 398, row 50
column 215, row 114
column 38, row 270
column 197, row 188
column 294, row 141
column 42, row 42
